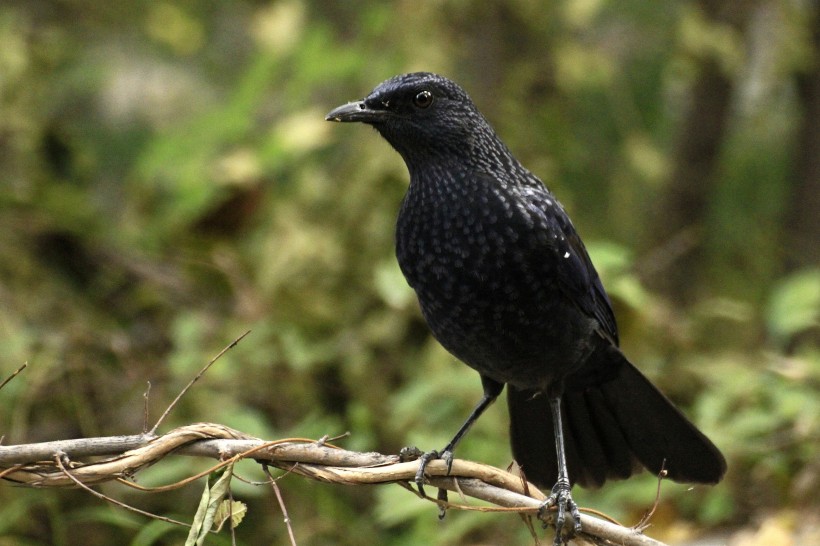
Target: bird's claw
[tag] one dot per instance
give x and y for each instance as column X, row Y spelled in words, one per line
column 447, row 457
column 424, row 460
column 561, row 498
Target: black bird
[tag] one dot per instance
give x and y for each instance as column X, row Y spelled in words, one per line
column 506, row 285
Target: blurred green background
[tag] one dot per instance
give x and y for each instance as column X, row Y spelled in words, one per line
column 167, row 181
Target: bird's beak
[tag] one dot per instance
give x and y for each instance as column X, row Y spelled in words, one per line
column 355, row 111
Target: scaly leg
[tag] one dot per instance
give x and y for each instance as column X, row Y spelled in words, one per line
column 561, row 495
column 491, row 391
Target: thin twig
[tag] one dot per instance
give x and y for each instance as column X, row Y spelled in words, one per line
column 11, row 470
column 644, row 523
column 325, row 439
column 525, row 486
column 281, row 504
column 195, row 379
column 221, row 464
column 13, row 375
column 176, row 485
column 527, row 519
column 599, row 514
column 58, row 460
column 145, row 407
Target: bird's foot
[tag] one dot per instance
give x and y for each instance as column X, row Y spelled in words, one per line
column 561, row 498
column 424, row 459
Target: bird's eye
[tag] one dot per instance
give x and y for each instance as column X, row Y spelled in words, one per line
column 423, row 99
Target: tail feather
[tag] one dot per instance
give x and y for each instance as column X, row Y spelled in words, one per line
column 660, row 436
column 620, row 463
column 531, row 436
column 611, row 429
column 591, row 453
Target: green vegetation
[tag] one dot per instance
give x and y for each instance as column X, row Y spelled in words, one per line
column 167, row 182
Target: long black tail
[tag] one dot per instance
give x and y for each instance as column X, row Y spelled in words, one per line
column 613, row 426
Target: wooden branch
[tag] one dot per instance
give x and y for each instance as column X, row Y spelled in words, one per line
column 34, row 465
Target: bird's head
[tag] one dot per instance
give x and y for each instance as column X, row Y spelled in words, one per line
column 420, row 115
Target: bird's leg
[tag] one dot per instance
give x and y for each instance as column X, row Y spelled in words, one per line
column 561, row 495
column 491, row 391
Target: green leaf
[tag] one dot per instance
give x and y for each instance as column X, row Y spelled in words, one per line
column 228, row 509
column 210, row 502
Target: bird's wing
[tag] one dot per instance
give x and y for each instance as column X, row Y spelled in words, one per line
column 596, row 300
column 574, row 268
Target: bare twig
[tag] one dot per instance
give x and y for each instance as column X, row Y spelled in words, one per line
column 145, row 407
column 78, row 448
column 40, row 465
column 194, row 380
column 644, row 523
column 13, row 374
column 58, row 459
column 10, row 469
column 325, row 439
column 281, row 501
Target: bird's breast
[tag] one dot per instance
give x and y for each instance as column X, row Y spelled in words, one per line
column 485, row 282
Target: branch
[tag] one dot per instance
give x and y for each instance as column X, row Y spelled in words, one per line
column 35, row 465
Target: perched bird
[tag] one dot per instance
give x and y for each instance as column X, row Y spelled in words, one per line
column 506, row 285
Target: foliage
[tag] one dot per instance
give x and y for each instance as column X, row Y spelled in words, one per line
column 168, row 182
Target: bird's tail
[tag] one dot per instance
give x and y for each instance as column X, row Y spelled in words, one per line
column 613, row 426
